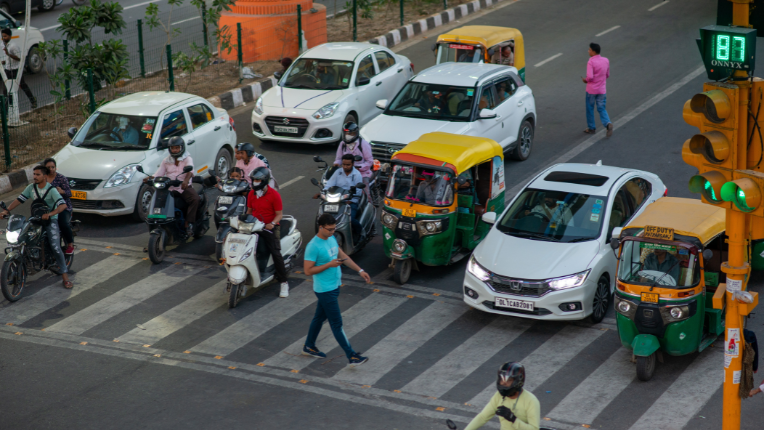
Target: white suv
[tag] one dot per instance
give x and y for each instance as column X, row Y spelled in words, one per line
column 483, row 100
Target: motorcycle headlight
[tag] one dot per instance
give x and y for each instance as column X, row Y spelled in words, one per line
column 477, row 270
column 246, row 254
column 326, row 111
column 259, row 106
column 571, row 281
column 122, row 176
column 11, row 236
column 333, row 198
column 229, row 189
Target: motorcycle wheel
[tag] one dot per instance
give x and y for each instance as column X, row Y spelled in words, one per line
column 156, row 248
column 402, row 271
column 13, row 278
column 234, row 295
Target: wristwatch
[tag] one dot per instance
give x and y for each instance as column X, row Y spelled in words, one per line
column 361, row 271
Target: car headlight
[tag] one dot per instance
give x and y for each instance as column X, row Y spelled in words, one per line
column 122, row 176
column 477, row 270
column 624, row 306
column 326, row 111
column 259, row 106
column 571, row 281
column 333, row 198
column 11, row 236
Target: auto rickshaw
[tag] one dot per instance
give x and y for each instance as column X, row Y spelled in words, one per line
column 669, row 272
column 481, row 44
column 440, row 186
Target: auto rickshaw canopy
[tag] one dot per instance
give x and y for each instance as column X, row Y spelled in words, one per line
column 688, row 217
column 488, row 36
column 457, row 152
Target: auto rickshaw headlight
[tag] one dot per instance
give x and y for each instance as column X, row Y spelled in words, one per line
column 676, row 312
column 624, row 306
column 399, row 245
column 389, row 220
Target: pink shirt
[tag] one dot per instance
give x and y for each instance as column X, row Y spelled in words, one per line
column 170, row 170
column 362, row 148
column 597, row 72
column 254, row 163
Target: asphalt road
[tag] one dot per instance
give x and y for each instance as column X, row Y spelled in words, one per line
column 654, row 70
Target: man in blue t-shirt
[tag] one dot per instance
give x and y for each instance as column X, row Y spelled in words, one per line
column 323, row 258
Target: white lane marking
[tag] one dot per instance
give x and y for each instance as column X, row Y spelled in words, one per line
column 140, row 4
column 290, row 182
column 548, row 60
column 467, row 357
column 354, row 320
column 548, row 358
column 255, row 324
column 124, row 299
column 620, row 122
column 51, row 27
column 657, row 6
column 687, row 395
column 615, row 27
column 185, row 20
column 178, row 317
column 54, row 294
column 395, row 347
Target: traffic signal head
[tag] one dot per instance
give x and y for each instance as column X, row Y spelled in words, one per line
column 745, row 192
column 712, row 145
column 709, row 185
column 714, row 105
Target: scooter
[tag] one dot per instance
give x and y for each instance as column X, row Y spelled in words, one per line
column 166, row 222
column 452, row 425
column 376, row 194
column 230, row 205
column 247, row 260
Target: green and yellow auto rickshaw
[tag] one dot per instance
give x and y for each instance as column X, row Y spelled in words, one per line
column 440, row 186
column 482, row 44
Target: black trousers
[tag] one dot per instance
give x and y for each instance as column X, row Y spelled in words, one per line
column 11, row 74
column 272, row 240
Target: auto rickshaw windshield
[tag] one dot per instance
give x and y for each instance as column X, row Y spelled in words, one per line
column 421, row 185
column 459, row 53
column 658, row 264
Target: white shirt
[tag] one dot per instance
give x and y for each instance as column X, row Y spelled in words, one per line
column 10, row 63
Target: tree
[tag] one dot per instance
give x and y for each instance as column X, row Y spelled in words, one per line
column 153, row 21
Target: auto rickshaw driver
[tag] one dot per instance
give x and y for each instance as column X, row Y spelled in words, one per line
column 660, row 260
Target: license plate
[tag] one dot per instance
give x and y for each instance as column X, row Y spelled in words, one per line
column 522, row 305
column 331, row 208
column 282, row 129
column 225, row 200
column 79, row 195
column 405, row 226
column 650, row 297
column 411, row 213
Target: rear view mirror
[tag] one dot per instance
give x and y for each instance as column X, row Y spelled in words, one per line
column 360, row 185
column 139, row 168
column 314, row 181
column 278, row 75
column 71, row 132
column 19, row 24
column 434, row 47
column 363, row 81
column 317, row 159
column 489, row 217
column 616, row 233
column 381, row 104
column 188, row 169
column 615, row 244
column 451, row 425
column 708, row 254
column 461, row 180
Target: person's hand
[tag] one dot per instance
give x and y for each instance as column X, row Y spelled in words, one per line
column 334, row 263
column 45, row 217
column 366, row 277
column 336, row 165
column 146, row 179
column 61, row 191
column 317, row 195
column 271, row 226
column 243, row 217
column 505, row 413
column 754, row 392
column 4, row 213
column 584, row 79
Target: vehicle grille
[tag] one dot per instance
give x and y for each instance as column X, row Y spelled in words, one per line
column 83, row 184
column 383, row 151
column 518, row 287
column 300, row 123
column 97, row 204
column 537, row 311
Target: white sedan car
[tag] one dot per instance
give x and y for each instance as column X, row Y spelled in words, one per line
column 547, row 255
column 326, row 87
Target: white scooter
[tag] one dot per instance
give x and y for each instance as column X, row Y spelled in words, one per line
column 250, row 265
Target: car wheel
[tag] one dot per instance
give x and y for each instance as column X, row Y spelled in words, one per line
column 35, row 62
column 223, row 163
column 142, row 203
column 46, row 5
column 524, row 142
column 601, row 300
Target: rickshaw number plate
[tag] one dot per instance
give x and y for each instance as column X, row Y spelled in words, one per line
column 225, row 200
column 411, row 213
column 522, row 305
column 79, row 195
column 650, row 297
column 663, row 233
column 331, row 208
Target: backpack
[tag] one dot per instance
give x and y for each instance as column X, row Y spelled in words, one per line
column 39, row 207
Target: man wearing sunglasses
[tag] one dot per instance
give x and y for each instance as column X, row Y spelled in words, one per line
column 323, row 258
column 516, row 407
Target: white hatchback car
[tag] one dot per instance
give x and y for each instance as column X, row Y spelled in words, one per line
column 101, row 166
column 326, row 87
column 483, row 100
column 547, row 255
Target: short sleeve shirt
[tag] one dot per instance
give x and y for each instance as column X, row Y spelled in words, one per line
column 264, row 208
column 53, row 199
column 322, row 251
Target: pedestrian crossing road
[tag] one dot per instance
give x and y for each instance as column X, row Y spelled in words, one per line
column 430, row 354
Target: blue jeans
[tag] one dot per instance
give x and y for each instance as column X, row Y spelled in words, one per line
column 601, row 101
column 328, row 307
column 54, row 239
column 354, row 223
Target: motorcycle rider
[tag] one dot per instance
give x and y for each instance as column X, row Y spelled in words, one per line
column 247, row 160
column 41, row 189
column 516, row 408
column 353, row 144
column 346, row 178
column 172, row 167
column 235, row 173
column 264, row 203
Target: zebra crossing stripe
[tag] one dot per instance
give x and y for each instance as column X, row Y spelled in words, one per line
column 54, row 294
column 255, row 324
column 467, row 357
column 357, row 318
column 178, row 317
column 124, row 299
column 404, row 340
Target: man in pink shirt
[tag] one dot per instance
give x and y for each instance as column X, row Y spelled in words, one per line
column 247, row 160
column 597, row 72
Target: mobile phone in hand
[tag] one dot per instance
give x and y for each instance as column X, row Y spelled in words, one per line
column 342, row 259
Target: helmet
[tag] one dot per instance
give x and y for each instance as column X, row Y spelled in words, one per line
column 350, row 132
column 260, row 174
column 177, row 141
column 246, row 147
column 516, row 372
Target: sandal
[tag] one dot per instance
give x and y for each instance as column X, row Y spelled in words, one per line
column 68, row 285
column 589, row 131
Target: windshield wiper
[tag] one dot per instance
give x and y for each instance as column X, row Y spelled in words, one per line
column 125, row 147
column 93, row 144
column 580, row 239
column 535, row 236
column 299, row 86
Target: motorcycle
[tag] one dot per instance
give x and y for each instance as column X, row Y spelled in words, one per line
column 28, row 252
column 376, row 194
column 166, row 222
column 248, row 261
column 452, row 425
column 230, row 205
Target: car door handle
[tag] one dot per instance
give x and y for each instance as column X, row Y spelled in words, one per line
column 217, row 127
column 191, row 142
column 520, row 103
column 400, row 70
column 379, row 83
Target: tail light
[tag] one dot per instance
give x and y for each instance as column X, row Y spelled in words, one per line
column 412, row 67
column 665, row 193
column 230, row 121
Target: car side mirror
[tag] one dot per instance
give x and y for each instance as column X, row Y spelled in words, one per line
column 363, row 81
column 314, row 181
column 278, row 75
column 707, row 254
column 489, row 218
column 615, row 243
column 139, row 168
column 188, row 169
column 381, row 104
column 615, row 234
column 385, row 168
column 211, row 172
column 487, row 114
column 71, row 132
column 317, row 159
column 357, row 158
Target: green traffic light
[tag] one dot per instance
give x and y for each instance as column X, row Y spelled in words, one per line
column 708, row 191
column 744, row 193
column 740, row 201
column 700, row 184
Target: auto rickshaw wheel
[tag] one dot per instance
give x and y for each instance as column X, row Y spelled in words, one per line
column 402, row 271
column 646, row 367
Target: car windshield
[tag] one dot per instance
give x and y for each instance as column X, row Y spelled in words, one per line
column 554, row 216
column 456, row 52
column 108, row 131
column 315, row 74
column 421, row 185
column 431, row 101
column 657, row 264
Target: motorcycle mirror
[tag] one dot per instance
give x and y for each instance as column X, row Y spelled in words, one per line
column 2, row 205
column 461, row 180
column 188, row 169
column 139, row 168
column 360, row 185
column 317, row 159
column 71, row 132
column 314, row 181
column 357, row 158
column 707, row 253
column 212, row 172
column 615, row 243
column 451, row 424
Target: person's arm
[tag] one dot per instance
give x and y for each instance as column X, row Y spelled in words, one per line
column 333, row 180
column 351, row 264
column 161, row 171
column 250, row 202
column 278, row 208
column 309, row 265
column 485, row 415
column 368, row 157
column 338, row 157
column 14, row 52
column 60, row 208
column 589, row 72
column 534, row 417
column 607, row 69
column 64, row 189
column 12, row 206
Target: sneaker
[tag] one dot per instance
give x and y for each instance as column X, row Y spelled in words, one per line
column 284, row 290
column 312, row 352
column 357, row 359
column 69, row 250
column 590, row 131
column 609, row 129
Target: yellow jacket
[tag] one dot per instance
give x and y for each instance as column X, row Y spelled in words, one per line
column 526, row 408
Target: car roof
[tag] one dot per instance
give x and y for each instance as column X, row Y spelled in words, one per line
column 463, row 74
column 610, row 175
column 145, row 103
column 345, row 51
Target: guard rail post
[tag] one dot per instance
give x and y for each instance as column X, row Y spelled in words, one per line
column 170, row 76
column 140, row 48
column 67, row 85
column 91, row 92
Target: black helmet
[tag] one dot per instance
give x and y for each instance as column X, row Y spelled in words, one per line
column 260, row 174
column 177, row 141
column 350, row 132
column 246, row 147
column 516, row 372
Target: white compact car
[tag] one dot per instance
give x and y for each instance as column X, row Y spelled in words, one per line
column 483, row 100
column 548, row 255
column 34, row 62
column 326, row 87
column 101, row 160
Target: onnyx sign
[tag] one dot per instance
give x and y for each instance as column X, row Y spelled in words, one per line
column 728, row 64
column 726, row 49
